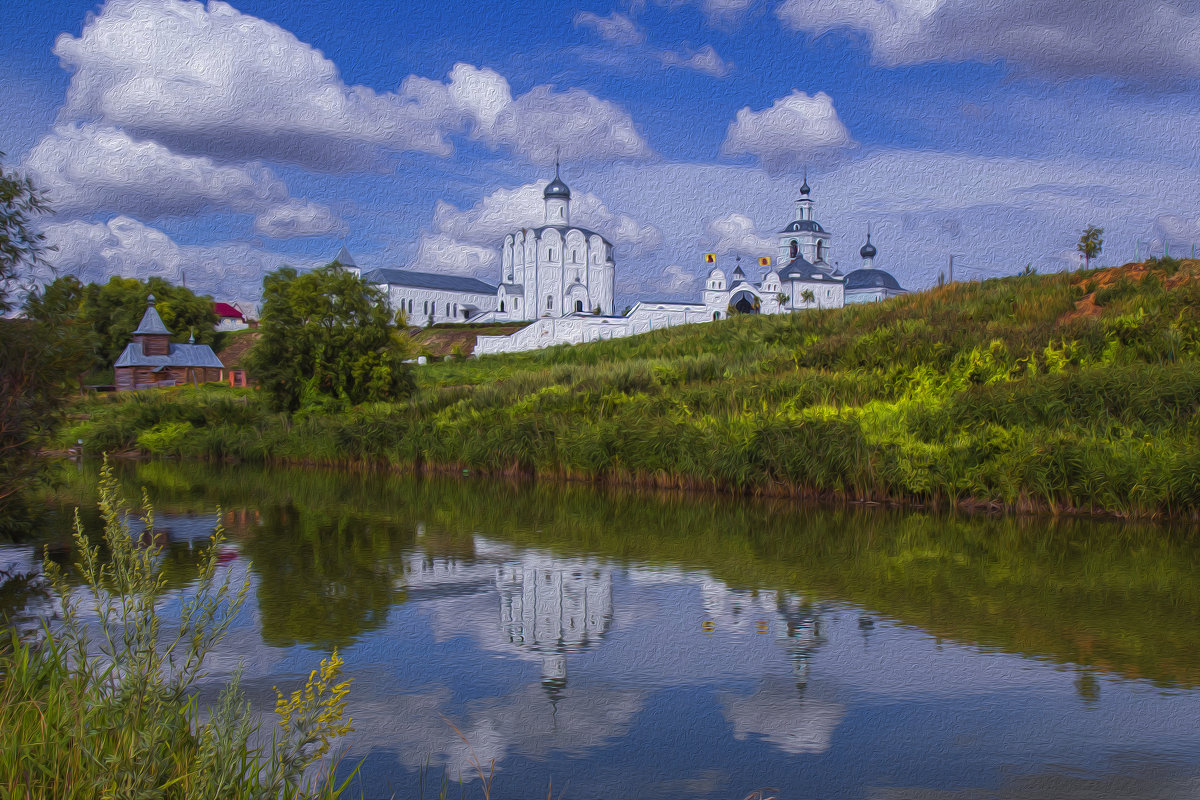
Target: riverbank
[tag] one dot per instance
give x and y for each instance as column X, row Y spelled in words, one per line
column 1067, row 393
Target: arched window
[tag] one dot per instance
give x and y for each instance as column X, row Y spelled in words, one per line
column 579, row 305
column 447, row 309
column 793, row 248
column 820, row 250
column 501, row 305
column 549, row 301
column 550, row 254
column 425, row 307
column 716, row 315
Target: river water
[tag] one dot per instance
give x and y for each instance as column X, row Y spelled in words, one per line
column 602, row 644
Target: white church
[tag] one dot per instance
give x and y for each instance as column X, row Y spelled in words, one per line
column 560, row 278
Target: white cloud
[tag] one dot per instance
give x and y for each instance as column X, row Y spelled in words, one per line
column 616, row 28
column 793, row 129
column 438, row 252
column 620, row 30
column 679, row 281
column 723, row 13
column 123, row 246
column 582, row 125
column 726, row 11
column 1126, row 38
column 213, row 81
column 736, row 234
column 460, row 238
column 705, row 60
column 298, row 218
column 87, row 168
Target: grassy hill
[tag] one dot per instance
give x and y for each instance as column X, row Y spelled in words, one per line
column 1072, row 391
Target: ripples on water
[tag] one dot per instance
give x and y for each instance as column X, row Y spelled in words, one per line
column 620, row 645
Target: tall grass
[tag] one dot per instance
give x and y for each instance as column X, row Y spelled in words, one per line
column 103, row 704
column 1058, row 392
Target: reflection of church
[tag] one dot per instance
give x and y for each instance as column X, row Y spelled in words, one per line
column 800, row 634
column 796, row 622
column 552, row 608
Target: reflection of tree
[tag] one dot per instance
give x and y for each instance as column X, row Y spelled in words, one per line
column 1055, row 580
column 323, row 581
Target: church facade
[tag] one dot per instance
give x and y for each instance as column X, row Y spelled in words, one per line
column 805, row 279
column 560, row 278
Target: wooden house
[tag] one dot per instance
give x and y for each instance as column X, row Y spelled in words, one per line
column 152, row 359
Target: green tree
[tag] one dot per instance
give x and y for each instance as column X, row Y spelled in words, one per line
column 114, row 310
column 39, row 357
column 808, row 296
column 327, row 333
column 21, row 245
column 1090, row 243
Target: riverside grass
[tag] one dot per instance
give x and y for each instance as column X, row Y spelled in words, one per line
column 106, row 709
column 1062, row 392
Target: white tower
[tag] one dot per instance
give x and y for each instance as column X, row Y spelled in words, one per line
column 558, row 201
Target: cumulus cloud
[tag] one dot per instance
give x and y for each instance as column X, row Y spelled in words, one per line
column 705, row 60
column 616, row 28
column 123, row 246
column 210, row 80
column 460, row 238
column 298, row 218
column 793, row 129
column 736, row 234
column 440, row 252
column 86, row 168
column 1127, row 38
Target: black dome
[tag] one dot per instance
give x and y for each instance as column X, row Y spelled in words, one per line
column 556, row 188
column 803, row 225
column 872, row 279
column 868, row 250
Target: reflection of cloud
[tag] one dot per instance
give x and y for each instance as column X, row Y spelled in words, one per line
column 781, row 716
column 526, row 722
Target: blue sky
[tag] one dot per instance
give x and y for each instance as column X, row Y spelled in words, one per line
column 219, row 141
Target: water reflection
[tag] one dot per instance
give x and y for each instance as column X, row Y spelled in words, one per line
column 709, row 646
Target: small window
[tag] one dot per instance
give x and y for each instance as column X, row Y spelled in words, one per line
column 716, row 315
column 501, row 305
column 579, row 305
column 550, row 254
column 447, row 309
column 549, row 301
column 793, row 248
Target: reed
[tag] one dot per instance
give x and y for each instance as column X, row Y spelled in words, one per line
column 103, row 704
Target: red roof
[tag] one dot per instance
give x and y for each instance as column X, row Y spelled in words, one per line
column 226, row 311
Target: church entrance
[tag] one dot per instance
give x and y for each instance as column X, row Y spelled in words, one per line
column 744, row 303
